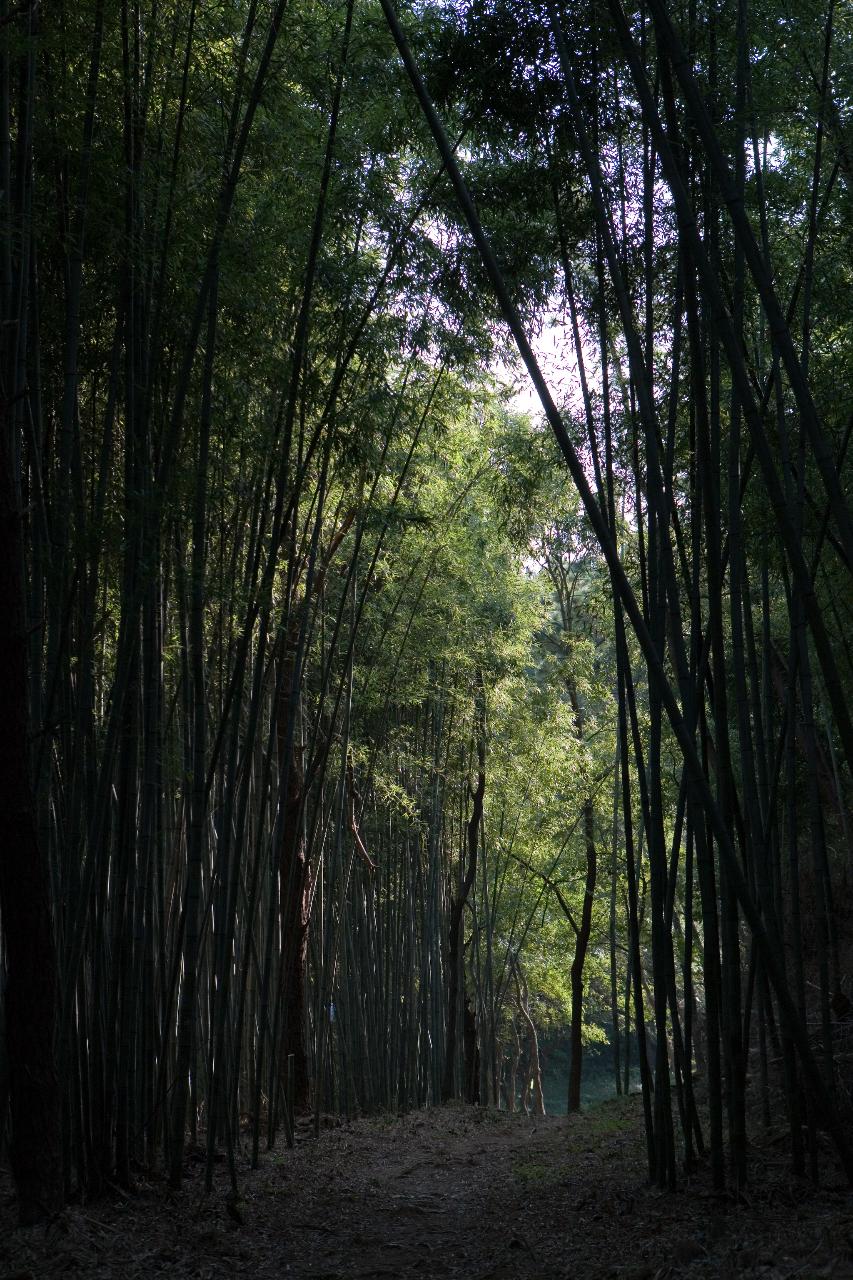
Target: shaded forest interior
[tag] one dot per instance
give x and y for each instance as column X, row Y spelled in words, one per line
column 366, row 739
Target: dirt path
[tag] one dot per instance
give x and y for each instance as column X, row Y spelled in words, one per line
column 452, row 1193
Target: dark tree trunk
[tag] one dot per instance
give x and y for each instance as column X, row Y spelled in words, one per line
column 581, row 944
column 472, row 1056
column 295, row 900
column 26, row 924
column 32, row 987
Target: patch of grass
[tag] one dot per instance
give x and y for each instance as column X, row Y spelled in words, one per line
column 609, row 1118
column 614, row 1116
column 531, row 1173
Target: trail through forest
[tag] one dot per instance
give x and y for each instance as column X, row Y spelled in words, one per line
column 457, row 1191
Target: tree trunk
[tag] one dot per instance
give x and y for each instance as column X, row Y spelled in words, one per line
column 533, row 1075
column 457, row 905
column 32, row 987
column 31, row 994
column 581, row 944
column 295, row 901
column 471, row 1055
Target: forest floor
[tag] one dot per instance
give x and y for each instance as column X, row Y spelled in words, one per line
column 450, row 1193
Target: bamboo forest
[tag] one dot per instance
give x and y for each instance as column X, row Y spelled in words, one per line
column 426, row 638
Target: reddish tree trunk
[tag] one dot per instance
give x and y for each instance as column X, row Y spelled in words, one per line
column 457, row 905
column 294, row 864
